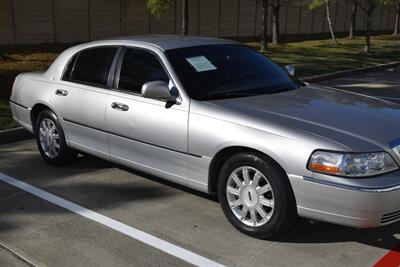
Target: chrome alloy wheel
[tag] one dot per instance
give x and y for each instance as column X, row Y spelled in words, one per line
column 49, row 138
column 250, row 196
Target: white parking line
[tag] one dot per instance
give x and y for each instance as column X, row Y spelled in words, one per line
column 374, row 96
column 369, row 80
column 388, row 97
column 141, row 236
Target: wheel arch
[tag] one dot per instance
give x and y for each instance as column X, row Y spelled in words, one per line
column 35, row 111
column 224, row 154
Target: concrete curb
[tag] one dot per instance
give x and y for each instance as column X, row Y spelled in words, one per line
column 345, row 73
column 14, row 135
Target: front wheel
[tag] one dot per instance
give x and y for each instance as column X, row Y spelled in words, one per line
column 50, row 139
column 256, row 196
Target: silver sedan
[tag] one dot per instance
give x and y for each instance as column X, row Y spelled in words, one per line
column 221, row 118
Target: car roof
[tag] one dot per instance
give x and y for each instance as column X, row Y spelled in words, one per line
column 162, row 42
column 168, row 42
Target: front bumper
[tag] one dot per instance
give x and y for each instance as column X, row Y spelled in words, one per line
column 361, row 203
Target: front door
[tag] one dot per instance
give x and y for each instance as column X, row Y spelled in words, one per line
column 145, row 133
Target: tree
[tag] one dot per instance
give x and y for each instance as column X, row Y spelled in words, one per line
column 368, row 6
column 264, row 24
column 157, row 7
column 397, row 22
column 319, row 3
column 353, row 18
column 185, row 17
column 276, row 7
column 397, row 19
column 124, row 6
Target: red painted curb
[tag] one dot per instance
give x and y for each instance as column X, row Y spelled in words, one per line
column 391, row 259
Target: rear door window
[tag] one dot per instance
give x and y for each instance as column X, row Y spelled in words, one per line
column 91, row 66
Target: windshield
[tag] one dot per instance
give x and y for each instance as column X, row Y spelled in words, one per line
column 227, row 71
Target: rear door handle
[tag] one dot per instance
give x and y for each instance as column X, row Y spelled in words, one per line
column 119, row 106
column 61, row 92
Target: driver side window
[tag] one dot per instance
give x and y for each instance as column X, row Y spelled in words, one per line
column 139, row 67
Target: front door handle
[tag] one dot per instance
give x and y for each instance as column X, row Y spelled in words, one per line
column 119, row 106
column 61, row 92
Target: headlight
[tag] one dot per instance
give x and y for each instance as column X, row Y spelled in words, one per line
column 351, row 165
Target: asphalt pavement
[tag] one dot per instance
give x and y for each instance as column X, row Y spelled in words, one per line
column 382, row 84
column 95, row 213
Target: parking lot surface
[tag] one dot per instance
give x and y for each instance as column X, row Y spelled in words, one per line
column 36, row 231
column 383, row 84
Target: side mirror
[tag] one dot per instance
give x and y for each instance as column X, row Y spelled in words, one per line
column 290, row 69
column 157, row 90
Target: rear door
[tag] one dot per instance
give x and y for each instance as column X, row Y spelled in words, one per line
column 146, row 133
column 82, row 96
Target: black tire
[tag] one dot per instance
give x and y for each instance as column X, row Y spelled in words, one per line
column 284, row 214
column 65, row 154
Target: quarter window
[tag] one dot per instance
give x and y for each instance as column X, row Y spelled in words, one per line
column 92, row 66
column 139, row 67
column 68, row 71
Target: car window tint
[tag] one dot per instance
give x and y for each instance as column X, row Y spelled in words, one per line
column 139, row 67
column 92, row 66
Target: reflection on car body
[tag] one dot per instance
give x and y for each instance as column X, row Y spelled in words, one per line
column 221, row 118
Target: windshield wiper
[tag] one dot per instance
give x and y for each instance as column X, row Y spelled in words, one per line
column 227, row 94
column 278, row 90
column 240, row 94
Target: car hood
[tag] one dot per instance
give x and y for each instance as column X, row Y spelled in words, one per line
column 346, row 118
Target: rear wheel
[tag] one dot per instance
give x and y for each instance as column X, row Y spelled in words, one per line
column 50, row 139
column 256, row 196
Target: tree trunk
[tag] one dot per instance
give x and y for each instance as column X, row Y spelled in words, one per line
column 275, row 24
column 353, row 20
column 124, row 5
column 264, row 25
column 328, row 17
column 185, row 17
column 397, row 21
column 368, row 33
